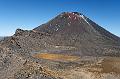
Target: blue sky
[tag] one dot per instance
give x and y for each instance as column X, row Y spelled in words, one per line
column 28, row 14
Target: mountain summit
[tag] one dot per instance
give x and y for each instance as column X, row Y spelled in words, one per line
column 63, row 22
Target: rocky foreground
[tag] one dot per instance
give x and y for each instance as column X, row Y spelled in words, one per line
column 70, row 46
column 13, row 65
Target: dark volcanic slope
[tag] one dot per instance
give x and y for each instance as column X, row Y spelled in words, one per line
column 75, row 23
column 68, row 31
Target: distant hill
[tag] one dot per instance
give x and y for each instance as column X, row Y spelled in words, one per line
column 1, row 38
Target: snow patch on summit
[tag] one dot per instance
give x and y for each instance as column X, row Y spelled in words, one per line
column 84, row 19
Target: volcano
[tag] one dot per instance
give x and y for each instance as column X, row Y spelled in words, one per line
column 76, row 30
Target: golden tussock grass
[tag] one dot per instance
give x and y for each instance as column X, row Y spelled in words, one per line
column 56, row 57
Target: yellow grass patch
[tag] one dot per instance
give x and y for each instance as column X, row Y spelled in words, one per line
column 56, row 57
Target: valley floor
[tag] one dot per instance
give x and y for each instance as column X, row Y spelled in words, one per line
column 50, row 65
